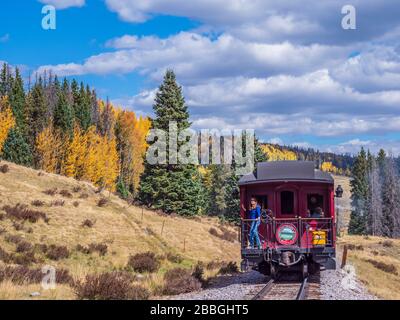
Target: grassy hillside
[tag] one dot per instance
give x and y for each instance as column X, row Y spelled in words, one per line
column 127, row 230
column 376, row 260
column 124, row 229
column 377, row 263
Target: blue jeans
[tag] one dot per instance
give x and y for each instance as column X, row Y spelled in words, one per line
column 254, row 233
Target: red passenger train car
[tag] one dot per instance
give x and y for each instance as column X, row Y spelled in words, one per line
column 298, row 228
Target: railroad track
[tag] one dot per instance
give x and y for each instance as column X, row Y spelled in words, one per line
column 290, row 289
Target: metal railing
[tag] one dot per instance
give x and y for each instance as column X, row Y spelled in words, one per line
column 307, row 229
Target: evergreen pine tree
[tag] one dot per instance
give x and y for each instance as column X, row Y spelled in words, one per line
column 75, row 97
column 390, row 200
column 231, row 189
column 82, row 108
column 374, row 201
column 171, row 187
column 232, row 197
column 63, row 117
column 17, row 100
column 5, row 81
column 36, row 110
column 359, row 194
column 217, row 193
column 259, row 154
column 94, row 110
column 16, row 149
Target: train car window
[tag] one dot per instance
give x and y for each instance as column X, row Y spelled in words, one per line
column 314, row 201
column 287, row 202
column 262, row 201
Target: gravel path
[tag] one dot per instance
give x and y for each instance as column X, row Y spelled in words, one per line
column 342, row 285
column 230, row 287
column 335, row 285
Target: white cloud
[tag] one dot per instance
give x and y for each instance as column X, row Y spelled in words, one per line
column 356, row 142
column 306, row 21
column 134, row 42
column 303, row 144
column 282, row 67
column 354, row 146
column 64, row 4
column 375, row 69
column 315, row 92
column 195, row 57
column 275, row 140
column 300, row 124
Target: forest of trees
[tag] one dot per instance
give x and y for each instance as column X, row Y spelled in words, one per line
column 62, row 127
column 326, row 161
column 188, row 189
column 375, row 189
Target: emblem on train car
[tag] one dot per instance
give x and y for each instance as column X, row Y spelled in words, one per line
column 287, row 234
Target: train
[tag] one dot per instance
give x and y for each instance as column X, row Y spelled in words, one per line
column 297, row 230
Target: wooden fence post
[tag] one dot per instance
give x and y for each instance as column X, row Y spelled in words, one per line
column 162, row 228
column 142, row 213
column 344, row 256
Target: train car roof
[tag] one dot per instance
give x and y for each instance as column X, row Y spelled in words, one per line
column 286, row 171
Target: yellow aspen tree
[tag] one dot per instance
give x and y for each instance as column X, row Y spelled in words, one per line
column 142, row 128
column 49, row 147
column 110, row 163
column 329, row 167
column 7, row 121
column 276, row 154
column 131, row 135
column 74, row 161
column 92, row 170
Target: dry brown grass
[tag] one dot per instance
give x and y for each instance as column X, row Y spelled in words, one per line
column 144, row 262
column 377, row 264
column 179, row 281
column 123, row 228
column 110, row 286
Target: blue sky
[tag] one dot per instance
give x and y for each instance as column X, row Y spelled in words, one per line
column 284, row 68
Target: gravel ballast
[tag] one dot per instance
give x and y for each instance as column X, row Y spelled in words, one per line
column 335, row 285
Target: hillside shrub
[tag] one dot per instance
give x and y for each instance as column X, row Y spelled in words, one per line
column 66, row 194
column 51, row 192
column 24, row 246
column 77, row 189
column 387, row 243
column 21, row 212
column 230, row 268
column 109, row 286
column 4, row 168
column 58, row 203
column 88, row 223
column 388, row 268
column 37, row 203
column 144, row 262
column 101, row 248
column 179, row 281
column 102, row 202
column 23, row 275
column 174, row 257
column 55, row 252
